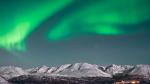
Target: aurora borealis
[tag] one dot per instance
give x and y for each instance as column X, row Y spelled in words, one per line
column 21, row 18
column 102, row 17
column 62, row 20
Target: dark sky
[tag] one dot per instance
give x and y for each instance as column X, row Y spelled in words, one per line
column 92, row 45
column 132, row 49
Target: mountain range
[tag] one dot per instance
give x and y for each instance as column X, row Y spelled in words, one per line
column 76, row 70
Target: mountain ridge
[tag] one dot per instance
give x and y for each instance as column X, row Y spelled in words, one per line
column 78, row 70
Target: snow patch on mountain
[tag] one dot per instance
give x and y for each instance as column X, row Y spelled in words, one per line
column 117, row 69
column 11, row 71
column 3, row 81
column 143, row 70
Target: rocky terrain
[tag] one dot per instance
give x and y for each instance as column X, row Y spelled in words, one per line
column 78, row 73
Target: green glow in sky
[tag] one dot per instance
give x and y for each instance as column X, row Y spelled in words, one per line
column 102, row 17
column 19, row 18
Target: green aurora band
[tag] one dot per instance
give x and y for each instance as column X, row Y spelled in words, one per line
column 102, row 17
column 19, row 18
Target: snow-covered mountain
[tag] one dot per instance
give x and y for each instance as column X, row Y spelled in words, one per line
column 78, row 70
column 11, row 71
column 3, row 81
column 92, row 70
column 72, row 70
column 143, row 70
column 117, row 69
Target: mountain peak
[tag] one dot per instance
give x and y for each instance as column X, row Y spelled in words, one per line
column 78, row 70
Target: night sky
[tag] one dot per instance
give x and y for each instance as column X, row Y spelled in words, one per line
column 54, row 32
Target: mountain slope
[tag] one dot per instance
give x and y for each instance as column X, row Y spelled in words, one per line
column 11, row 71
column 78, row 70
column 143, row 70
column 72, row 70
column 3, row 81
